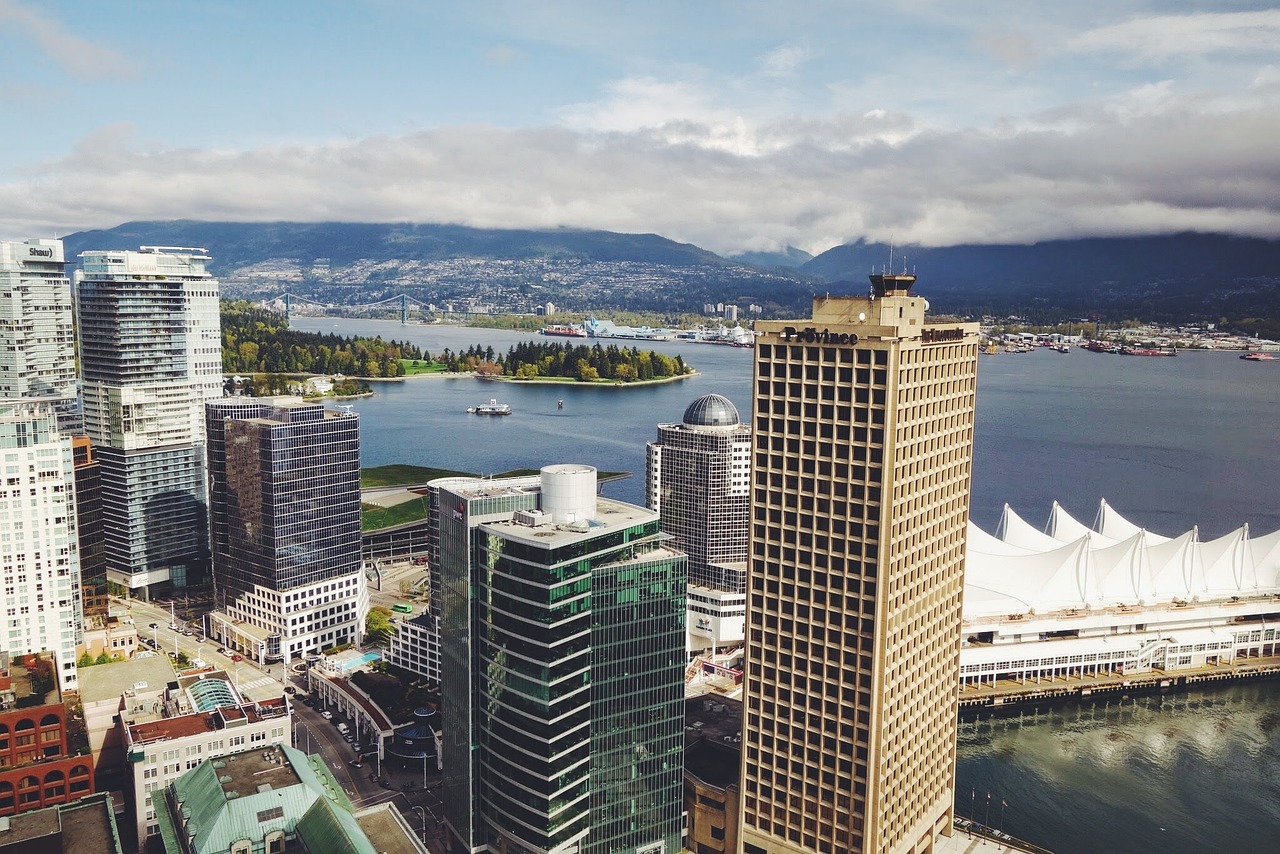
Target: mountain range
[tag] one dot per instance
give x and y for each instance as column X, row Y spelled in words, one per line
column 1182, row 276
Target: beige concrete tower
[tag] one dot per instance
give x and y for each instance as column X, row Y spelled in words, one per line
column 863, row 430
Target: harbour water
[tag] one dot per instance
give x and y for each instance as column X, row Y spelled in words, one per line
column 1170, row 443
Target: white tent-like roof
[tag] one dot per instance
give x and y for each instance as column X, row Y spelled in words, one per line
column 1022, row 569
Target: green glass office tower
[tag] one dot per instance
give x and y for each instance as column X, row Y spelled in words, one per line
column 563, row 651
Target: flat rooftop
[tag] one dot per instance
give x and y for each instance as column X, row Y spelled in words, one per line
column 245, row 773
column 110, row 681
column 388, row 834
column 85, row 826
column 609, row 516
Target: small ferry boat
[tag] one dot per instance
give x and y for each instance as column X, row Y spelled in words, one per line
column 490, row 408
column 1260, row 357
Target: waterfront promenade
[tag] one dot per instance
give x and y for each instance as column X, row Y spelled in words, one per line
column 1013, row 692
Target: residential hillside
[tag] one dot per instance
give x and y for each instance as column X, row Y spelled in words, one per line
column 1198, row 277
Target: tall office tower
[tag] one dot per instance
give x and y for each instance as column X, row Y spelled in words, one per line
column 150, row 356
column 562, row 667
column 284, row 508
column 93, row 567
column 697, row 478
column 863, row 448
column 37, row 328
column 38, row 553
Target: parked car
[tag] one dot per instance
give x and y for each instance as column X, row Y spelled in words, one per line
column 347, row 737
column 222, row 650
column 356, row 763
column 289, row 689
column 327, row 715
column 237, row 658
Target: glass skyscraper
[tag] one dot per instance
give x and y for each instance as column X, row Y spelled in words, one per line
column 562, row 662
column 150, row 356
column 285, row 518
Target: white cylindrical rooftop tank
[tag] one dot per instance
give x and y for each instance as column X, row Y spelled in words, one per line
column 568, row 492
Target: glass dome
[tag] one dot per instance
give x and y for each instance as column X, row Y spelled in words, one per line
column 711, row 410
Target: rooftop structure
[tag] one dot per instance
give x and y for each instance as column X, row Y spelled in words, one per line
column 86, row 825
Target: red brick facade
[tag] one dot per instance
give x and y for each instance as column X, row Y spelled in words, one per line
column 35, row 771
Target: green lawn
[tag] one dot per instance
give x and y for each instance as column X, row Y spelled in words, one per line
column 412, row 367
column 374, row 518
column 403, row 475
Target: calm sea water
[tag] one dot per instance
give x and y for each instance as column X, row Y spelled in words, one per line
column 1170, row 443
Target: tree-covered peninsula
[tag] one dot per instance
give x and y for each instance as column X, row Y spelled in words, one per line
column 535, row 360
column 258, row 341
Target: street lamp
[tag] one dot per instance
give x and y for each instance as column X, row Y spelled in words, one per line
column 305, row 729
column 424, row 824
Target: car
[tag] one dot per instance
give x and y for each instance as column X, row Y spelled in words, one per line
column 237, row 657
column 355, row 747
column 346, row 736
column 327, row 715
column 356, row 763
column 173, row 627
column 222, row 650
column 154, row 626
column 289, row 689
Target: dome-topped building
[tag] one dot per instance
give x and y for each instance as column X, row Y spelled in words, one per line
column 698, row 479
column 712, row 410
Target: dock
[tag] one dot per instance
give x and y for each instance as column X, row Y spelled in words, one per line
column 1012, row 692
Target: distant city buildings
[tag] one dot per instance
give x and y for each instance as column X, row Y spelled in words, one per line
column 150, row 352
column 38, row 543
column 863, row 447
column 37, row 329
column 562, row 657
column 285, row 516
column 698, row 480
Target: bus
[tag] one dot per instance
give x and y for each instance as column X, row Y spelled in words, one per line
column 402, row 607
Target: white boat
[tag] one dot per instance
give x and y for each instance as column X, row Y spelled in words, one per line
column 490, row 408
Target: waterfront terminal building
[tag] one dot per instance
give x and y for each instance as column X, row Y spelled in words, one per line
column 1114, row 599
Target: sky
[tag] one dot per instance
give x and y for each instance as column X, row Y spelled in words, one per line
column 737, row 126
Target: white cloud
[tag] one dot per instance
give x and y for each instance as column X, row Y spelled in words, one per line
column 812, row 183
column 79, row 57
column 785, row 60
column 1164, row 37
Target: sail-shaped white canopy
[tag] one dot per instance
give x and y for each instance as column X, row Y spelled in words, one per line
column 1022, row 569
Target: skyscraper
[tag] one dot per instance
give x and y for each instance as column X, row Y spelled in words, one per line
column 284, row 506
column 150, row 356
column 39, row 565
column 697, row 478
column 562, row 666
column 860, row 500
column 37, row 328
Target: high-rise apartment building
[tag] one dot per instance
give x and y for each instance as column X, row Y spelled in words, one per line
column 39, row 563
column 150, row 356
column 37, row 328
column 698, row 479
column 562, row 667
column 863, row 433
column 284, row 509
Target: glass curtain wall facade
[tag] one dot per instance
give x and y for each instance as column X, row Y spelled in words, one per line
column 285, row 518
column 150, row 355
column 37, row 329
column 863, row 448
column 574, row 659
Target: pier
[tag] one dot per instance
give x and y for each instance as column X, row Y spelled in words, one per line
column 1013, row 692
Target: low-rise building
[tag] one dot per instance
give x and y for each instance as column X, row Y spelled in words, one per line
column 87, row 826
column 415, row 646
column 273, row 800
column 105, row 691
column 170, row 731
column 39, row 767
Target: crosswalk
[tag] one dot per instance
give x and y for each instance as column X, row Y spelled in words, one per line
column 249, row 685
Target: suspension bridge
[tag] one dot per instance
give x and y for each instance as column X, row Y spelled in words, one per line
column 402, row 304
